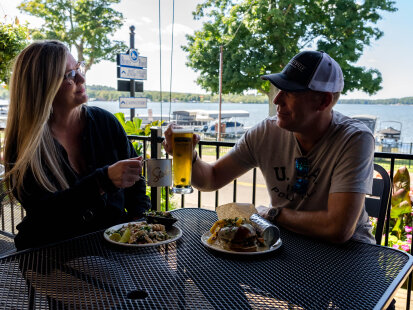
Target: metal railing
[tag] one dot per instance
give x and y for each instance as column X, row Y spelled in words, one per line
column 389, row 160
column 152, row 145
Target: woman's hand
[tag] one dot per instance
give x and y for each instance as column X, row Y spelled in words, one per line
column 167, row 143
column 125, row 173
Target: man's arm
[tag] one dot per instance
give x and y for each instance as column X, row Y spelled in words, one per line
column 213, row 176
column 336, row 224
column 206, row 176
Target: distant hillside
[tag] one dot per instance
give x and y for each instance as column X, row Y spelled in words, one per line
column 105, row 93
column 108, row 93
column 405, row 100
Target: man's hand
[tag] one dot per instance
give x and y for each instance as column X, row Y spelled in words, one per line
column 125, row 173
column 262, row 210
column 167, row 143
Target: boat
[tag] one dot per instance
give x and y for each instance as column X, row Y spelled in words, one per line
column 229, row 129
column 390, row 133
column 4, row 110
column 388, row 136
column 206, row 121
column 368, row 120
column 204, row 117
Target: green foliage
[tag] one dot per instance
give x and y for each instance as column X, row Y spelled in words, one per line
column 13, row 38
column 105, row 93
column 86, row 25
column 401, row 207
column 261, row 36
column 135, row 128
column 400, row 224
column 405, row 100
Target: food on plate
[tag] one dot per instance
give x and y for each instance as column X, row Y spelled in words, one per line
column 139, row 233
column 235, row 209
column 236, row 234
column 160, row 217
column 165, row 214
column 115, row 237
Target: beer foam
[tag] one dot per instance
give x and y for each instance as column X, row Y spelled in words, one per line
column 182, row 130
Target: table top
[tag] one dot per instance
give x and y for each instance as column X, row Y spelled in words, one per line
column 89, row 272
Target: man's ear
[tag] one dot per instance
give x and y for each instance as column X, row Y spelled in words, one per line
column 325, row 101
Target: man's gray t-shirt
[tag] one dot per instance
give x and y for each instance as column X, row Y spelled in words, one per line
column 342, row 161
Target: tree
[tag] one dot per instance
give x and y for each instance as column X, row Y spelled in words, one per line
column 261, row 36
column 13, row 38
column 84, row 24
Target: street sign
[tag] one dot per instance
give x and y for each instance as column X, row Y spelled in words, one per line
column 124, row 85
column 132, row 102
column 132, row 73
column 132, row 60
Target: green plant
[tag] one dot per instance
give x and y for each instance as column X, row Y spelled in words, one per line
column 400, row 224
column 135, row 128
column 13, row 38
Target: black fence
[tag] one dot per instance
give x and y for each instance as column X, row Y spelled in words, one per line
column 399, row 148
column 153, row 143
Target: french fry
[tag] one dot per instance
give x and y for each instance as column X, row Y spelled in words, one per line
column 218, row 224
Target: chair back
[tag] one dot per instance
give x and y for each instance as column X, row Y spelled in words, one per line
column 377, row 202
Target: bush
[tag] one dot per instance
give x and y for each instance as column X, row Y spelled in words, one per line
column 400, row 224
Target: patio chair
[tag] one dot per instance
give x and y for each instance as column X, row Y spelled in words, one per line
column 6, row 238
column 377, row 202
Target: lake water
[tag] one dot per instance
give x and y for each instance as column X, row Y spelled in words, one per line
column 400, row 113
column 384, row 113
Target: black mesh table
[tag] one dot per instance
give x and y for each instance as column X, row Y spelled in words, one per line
column 90, row 273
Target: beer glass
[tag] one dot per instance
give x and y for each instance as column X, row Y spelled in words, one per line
column 182, row 142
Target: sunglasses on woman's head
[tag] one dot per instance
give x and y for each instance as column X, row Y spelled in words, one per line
column 80, row 69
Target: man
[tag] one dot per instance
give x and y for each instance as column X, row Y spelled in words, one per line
column 317, row 163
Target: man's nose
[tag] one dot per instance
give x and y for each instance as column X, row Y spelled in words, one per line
column 278, row 98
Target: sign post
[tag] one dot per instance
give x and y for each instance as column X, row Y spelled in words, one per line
column 131, row 66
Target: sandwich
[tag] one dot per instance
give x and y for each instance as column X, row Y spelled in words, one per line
column 235, row 234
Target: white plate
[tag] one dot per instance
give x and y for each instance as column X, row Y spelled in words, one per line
column 174, row 232
column 219, row 248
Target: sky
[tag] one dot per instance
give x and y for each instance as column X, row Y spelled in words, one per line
column 391, row 54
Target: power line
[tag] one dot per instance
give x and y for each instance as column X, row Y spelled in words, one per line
column 160, row 56
column 172, row 52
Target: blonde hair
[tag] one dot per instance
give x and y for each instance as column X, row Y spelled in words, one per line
column 36, row 78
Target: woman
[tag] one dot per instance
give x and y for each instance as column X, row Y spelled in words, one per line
column 70, row 166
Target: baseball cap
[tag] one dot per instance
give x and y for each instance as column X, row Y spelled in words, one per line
column 314, row 70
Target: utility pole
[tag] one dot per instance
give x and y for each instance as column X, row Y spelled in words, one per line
column 132, row 82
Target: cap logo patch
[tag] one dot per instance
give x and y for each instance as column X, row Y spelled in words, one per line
column 298, row 65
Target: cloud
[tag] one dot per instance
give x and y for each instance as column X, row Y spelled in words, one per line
column 147, row 20
column 179, row 30
column 150, row 47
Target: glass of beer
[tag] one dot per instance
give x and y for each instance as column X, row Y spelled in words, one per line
column 182, row 142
